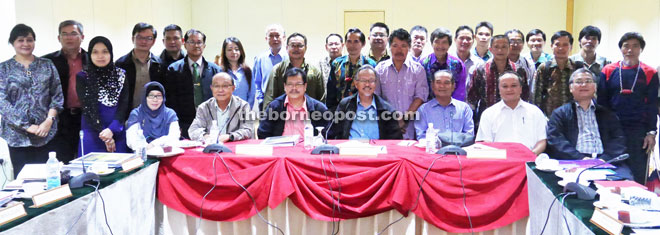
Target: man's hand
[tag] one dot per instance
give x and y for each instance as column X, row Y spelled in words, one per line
column 649, row 143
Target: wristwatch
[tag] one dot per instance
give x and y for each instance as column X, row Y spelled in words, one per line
column 231, row 137
column 51, row 118
column 652, row 133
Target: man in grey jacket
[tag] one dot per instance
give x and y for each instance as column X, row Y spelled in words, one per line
column 230, row 113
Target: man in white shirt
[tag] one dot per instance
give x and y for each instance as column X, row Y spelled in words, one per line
column 512, row 119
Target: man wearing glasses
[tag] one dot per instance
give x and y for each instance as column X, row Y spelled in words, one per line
column 140, row 64
column 296, row 46
column 70, row 60
column 378, row 34
column 227, row 110
column 188, row 80
column 288, row 114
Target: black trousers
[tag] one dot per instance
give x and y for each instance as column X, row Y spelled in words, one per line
column 29, row 155
column 68, row 137
column 638, row 160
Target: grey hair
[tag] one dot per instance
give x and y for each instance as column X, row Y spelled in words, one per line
column 445, row 71
column 366, row 67
column 581, row 71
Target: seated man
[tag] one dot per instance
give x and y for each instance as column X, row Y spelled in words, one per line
column 446, row 113
column 288, row 114
column 512, row 119
column 365, row 115
column 582, row 129
column 230, row 113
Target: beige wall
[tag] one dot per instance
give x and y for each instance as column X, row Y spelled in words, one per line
column 247, row 19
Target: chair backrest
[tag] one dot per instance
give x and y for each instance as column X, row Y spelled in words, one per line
column 7, row 171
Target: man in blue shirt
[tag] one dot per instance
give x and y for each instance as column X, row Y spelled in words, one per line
column 263, row 63
column 446, row 113
column 365, row 115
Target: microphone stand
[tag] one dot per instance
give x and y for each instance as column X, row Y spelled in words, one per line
column 451, row 148
column 585, row 192
column 79, row 180
column 326, row 148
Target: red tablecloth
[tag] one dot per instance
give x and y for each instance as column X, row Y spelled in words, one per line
column 496, row 189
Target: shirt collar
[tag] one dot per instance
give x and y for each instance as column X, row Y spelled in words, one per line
column 217, row 108
column 436, row 103
column 373, row 101
column 137, row 61
column 592, row 106
column 304, row 104
column 504, row 106
column 199, row 61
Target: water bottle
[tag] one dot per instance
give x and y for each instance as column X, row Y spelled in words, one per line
column 309, row 136
column 53, row 170
column 431, row 139
column 141, row 150
column 215, row 131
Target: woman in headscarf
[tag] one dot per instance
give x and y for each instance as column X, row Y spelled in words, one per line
column 100, row 87
column 152, row 124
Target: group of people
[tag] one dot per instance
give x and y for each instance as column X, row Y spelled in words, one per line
column 491, row 91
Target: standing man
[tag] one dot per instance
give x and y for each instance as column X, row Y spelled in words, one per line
column 334, row 45
column 516, row 43
column 551, row 81
column 172, row 40
column 483, row 91
column 484, row 33
column 69, row 60
column 263, row 63
column 535, row 41
column 296, row 46
column 344, row 69
column 464, row 38
column 446, row 113
column 188, row 80
column 441, row 60
column 378, row 34
column 512, row 119
column 630, row 89
column 140, row 64
column 402, row 81
column 589, row 40
column 419, row 35
column 374, row 117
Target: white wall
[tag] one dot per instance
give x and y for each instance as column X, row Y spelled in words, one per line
column 8, row 19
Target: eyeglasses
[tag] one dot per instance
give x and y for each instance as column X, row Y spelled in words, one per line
column 294, row 85
column 72, row 34
column 583, row 82
column 379, row 35
column 224, row 87
column 298, row 46
column 200, row 43
column 140, row 38
column 516, row 42
column 155, row 97
column 368, row 81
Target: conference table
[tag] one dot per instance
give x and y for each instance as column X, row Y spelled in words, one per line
column 320, row 194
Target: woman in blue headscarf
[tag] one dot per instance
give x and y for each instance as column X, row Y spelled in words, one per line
column 152, row 124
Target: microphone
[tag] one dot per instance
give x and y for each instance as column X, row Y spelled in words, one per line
column 80, row 180
column 218, row 147
column 451, row 148
column 585, row 192
column 326, row 148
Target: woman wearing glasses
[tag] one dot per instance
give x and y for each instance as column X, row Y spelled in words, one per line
column 102, row 88
column 152, row 124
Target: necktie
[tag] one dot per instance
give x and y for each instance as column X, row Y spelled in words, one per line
column 197, row 85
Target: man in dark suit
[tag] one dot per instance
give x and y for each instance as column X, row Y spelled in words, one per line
column 188, row 80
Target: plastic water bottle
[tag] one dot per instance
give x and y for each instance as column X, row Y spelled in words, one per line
column 309, row 136
column 215, row 131
column 53, row 170
column 431, row 139
column 141, row 149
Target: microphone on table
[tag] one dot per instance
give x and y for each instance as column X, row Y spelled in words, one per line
column 451, row 148
column 585, row 192
column 218, row 147
column 326, row 148
column 80, row 180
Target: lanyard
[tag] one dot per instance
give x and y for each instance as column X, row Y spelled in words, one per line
column 632, row 88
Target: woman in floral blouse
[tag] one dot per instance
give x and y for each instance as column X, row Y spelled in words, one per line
column 30, row 98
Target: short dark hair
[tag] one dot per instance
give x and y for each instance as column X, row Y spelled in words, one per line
column 418, row 28
column 498, row 37
column 534, row 32
column 380, row 24
column 484, row 24
column 463, row 27
column 440, row 33
column 522, row 36
column 510, row 72
column 21, row 30
column 139, row 27
column 172, row 27
column 589, row 30
column 451, row 75
column 561, row 33
column 70, row 22
column 296, row 35
column 190, row 32
column 630, row 35
column 358, row 31
column 400, row 34
column 334, row 35
column 292, row 72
